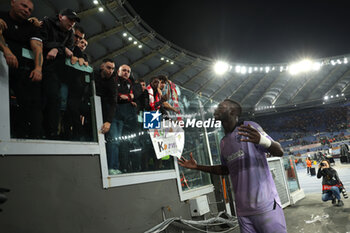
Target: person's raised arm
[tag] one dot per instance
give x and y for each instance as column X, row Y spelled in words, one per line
column 192, row 164
column 254, row 136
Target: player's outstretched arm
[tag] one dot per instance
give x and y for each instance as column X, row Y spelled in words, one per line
column 192, row 164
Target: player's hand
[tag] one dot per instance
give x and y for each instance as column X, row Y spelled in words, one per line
column 191, row 163
column 134, row 104
column 36, row 75
column 52, row 54
column 251, row 133
column 105, row 127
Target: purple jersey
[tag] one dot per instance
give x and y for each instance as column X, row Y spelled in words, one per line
column 253, row 185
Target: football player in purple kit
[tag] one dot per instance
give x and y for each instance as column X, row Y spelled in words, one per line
column 243, row 157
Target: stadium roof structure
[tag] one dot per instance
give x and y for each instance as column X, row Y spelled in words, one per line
column 116, row 31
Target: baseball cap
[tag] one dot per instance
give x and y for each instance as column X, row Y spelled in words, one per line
column 70, row 14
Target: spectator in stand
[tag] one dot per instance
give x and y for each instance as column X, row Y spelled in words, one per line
column 141, row 95
column 106, row 88
column 77, row 88
column 124, row 124
column 169, row 90
column 80, row 45
column 57, row 35
column 25, row 75
column 156, row 99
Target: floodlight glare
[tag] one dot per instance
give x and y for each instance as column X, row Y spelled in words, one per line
column 316, row 66
column 130, row 38
column 243, row 70
column 124, row 34
column 238, row 69
column 95, row 2
column 100, row 9
column 221, row 67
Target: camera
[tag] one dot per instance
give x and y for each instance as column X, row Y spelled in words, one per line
column 323, row 164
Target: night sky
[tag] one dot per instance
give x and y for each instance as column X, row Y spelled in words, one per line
column 252, row 31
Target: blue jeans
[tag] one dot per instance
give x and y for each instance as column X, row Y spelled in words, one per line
column 329, row 195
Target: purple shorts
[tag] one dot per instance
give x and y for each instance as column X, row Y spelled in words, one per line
column 268, row 222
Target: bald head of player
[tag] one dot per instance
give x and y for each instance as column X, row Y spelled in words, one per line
column 228, row 112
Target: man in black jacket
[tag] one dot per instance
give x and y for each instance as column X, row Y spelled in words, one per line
column 330, row 183
column 107, row 90
column 16, row 33
column 58, row 44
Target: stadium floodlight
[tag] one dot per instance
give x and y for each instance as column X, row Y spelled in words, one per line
column 100, row 9
column 316, row 66
column 326, row 97
column 130, row 38
column 304, row 66
column 221, row 67
column 250, row 70
column 125, row 34
column 162, row 58
column 255, row 68
column 238, row 69
column 345, row 60
column 243, row 70
column 95, row 2
column 267, row 69
column 140, row 46
column 342, row 94
column 135, row 42
column 336, row 95
column 333, row 62
column 172, row 63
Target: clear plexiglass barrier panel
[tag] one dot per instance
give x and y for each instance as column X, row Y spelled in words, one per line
column 291, row 173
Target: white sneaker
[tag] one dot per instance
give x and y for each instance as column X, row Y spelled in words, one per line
column 114, row 172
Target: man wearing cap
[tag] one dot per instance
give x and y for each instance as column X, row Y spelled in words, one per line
column 58, row 40
column 17, row 33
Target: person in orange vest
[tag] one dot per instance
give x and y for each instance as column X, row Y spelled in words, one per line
column 308, row 164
